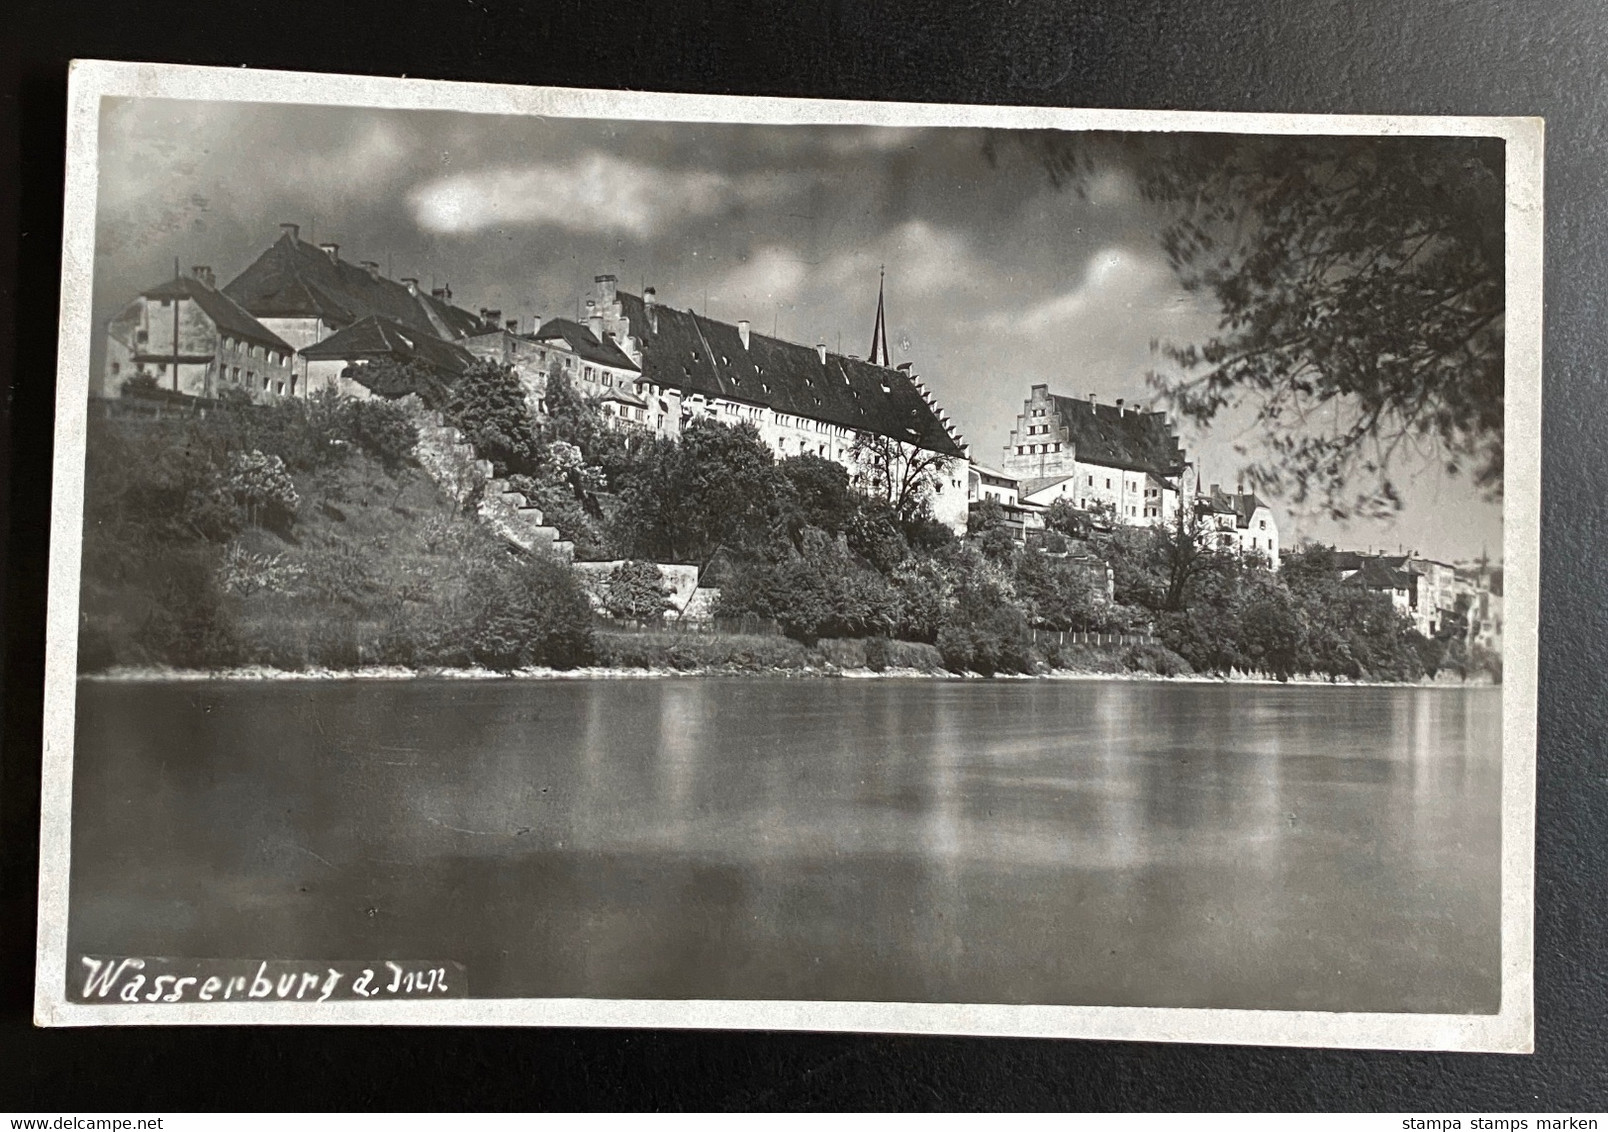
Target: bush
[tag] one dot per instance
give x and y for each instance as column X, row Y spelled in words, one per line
column 263, row 488
column 685, row 652
column 384, row 430
column 881, row 654
column 1083, row 658
column 1157, row 659
column 637, row 591
column 986, row 638
column 841, row 653
column 532, row 612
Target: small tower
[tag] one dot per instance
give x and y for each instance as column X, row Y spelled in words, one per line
column 879, row 355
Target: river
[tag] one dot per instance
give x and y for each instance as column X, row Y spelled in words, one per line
column 1077, row 842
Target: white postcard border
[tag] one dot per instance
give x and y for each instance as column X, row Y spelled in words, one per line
column 1510, row 1030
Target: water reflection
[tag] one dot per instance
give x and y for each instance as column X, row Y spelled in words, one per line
column 1078, row 842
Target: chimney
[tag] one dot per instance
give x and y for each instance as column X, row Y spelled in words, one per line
column 1092, row 402
column 742, row 331
column 291, row 230
column 204, row 274
column 412, row 285
column 512, row 326
column 371, row 267
column 606, row 286
column 1119, row 406
column 820, row 349
column 594, row 322
column 331, row 250
column 649, row 297
column 438, row 293
column 493, row 316
column 1217, row 489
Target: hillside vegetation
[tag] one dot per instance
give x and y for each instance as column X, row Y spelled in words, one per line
column 302, row 534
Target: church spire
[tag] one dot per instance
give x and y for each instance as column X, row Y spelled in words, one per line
column 879, row 332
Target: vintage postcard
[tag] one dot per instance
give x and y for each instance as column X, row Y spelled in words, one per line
column 562, row 557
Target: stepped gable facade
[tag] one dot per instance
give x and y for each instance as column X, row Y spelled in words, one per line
column 194, row 339
column 803, row 400
column 1093, row 454
column 305, row 293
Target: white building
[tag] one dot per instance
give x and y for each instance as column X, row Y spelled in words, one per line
column 1242, row 523
column 1095, row 456
column 801, row 399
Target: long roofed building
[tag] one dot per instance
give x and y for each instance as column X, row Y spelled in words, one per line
column 305, row 293
column 803, row 400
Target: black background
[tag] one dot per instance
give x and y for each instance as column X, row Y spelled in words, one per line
column 1386, row 56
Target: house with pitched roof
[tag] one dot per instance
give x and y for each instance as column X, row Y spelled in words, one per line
column 194, row 339
column 1239, row 521
column 803, row 400
column 306, row 293
column 342, row 360
column 594, row 363
column 1094, row 455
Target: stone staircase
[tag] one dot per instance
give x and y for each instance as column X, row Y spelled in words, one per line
column 451, row 462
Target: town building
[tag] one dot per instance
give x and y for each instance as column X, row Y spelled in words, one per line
column 306, row 293
column 1095, row 456
column 596, row 366
column 1432, row 593
column 189, row 337
column 801, row 399
column 343, row 359
column 1482, row 581
column 1380, row 575
column 1240, row 522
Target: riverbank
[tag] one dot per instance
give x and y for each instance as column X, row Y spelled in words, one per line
column 394, row 673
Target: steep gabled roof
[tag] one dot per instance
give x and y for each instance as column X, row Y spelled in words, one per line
column 586, row 345
column 1240, row 504
column 295, row 279
column 1130, row 439
column 379, row 337
column 1376, row 574
column 695, row 354
column 228, row 315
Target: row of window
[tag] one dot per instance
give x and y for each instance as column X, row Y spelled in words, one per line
column 1037, row 449
column 251, row 350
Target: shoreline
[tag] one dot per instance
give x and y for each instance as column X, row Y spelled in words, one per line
column 378, row 673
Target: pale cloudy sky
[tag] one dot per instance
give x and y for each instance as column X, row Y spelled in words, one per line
column 996, row 280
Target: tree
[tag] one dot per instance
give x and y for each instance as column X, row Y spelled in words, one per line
column 1359, row 284
column 529, row 612
column 261, row 486
column 901, row 475
column 683, row 500
column 637, row 591
column 488, row 405
column 390, row 379
column 1055, row 594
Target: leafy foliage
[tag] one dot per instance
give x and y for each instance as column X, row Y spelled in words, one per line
column 261, row 485
column 1359, row 283
column 488, row 405
column 637, row 591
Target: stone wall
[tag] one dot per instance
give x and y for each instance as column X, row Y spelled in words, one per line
column 468, row 481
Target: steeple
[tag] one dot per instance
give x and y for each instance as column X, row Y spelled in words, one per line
column 879, row 333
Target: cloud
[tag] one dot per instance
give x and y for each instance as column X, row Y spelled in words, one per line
column 771, row 275
column 1116, row 281
column 597, row 194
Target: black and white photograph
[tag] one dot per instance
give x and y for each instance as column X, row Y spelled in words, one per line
column 537, row 556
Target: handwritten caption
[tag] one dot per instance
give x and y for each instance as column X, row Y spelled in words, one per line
column 140, row 979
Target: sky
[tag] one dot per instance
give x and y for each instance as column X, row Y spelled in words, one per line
column 996, row 279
